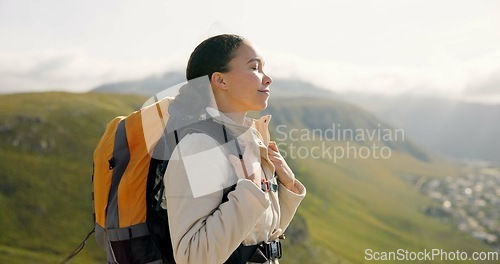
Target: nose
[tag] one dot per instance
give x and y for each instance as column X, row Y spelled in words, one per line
column 267, row 80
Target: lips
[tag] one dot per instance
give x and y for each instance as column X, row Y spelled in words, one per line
column 264, row 91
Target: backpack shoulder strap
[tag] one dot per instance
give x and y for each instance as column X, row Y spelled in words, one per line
column 217, row 131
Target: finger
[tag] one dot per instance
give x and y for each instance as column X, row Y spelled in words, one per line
column 271, row 152
column 276, row 160
column 272, row 145
column 274, row 148
column 275, row 155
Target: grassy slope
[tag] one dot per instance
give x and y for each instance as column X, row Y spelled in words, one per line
column 45, row 192
column 357, row 204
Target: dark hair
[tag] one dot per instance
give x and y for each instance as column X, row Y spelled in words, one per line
column 211, row 55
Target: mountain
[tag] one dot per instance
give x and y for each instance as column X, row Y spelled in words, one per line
column 152, row 85
column 456, row 129
column 148, row 86
column 343, row 120
column 354, row 203
column 462, row 130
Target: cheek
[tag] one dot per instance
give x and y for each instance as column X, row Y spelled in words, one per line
column 239, row 79
column 249, row 76
column 246, row 83
column 255, row 78
column 244, row 86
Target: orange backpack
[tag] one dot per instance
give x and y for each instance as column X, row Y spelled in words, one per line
column 130, row 224
column 122, row 164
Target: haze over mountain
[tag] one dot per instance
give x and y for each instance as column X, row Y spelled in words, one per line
column 461, row 130
column 456, row 129
column 152, row 85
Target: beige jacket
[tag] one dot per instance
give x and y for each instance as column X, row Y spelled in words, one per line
column 202, row 229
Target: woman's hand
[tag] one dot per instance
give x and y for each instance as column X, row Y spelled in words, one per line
column 249, row 167
column 285, row 174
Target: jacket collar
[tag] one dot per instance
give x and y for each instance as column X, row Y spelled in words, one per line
column 260, row 125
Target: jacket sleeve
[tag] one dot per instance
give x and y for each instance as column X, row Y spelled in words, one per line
column 289, row 202
column 201, row 228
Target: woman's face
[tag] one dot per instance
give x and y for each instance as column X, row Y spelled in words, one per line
column 247, row 84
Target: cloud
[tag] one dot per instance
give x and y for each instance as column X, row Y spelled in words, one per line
column 486, row 87
column 350, row 77
column 77, row 71
column 484, row 78
column 69, row 70
column 445, row 76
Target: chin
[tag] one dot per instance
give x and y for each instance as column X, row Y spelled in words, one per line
column 262, row 106
column 258, row 105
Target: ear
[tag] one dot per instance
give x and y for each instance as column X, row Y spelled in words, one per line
column 218, row 80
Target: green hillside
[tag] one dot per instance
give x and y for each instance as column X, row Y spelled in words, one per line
column 353, row 204
column 46, row 159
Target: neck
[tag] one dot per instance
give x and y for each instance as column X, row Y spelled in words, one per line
column 238, row 118
column 230, row 111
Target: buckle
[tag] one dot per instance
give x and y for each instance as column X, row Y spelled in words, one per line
column 267, row 186
column 272, row 250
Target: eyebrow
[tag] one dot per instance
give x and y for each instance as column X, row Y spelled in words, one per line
column 257, row 59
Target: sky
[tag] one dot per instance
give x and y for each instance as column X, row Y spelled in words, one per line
column 447, row 48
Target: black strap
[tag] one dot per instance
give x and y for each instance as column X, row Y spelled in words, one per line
column 259, row 253
column 215, row 130
column 242, row 254
column 226, row 192
column 78, row 248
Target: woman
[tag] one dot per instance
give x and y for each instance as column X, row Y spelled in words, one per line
column 266, row 194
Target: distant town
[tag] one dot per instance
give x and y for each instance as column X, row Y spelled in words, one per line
column 470, row 200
